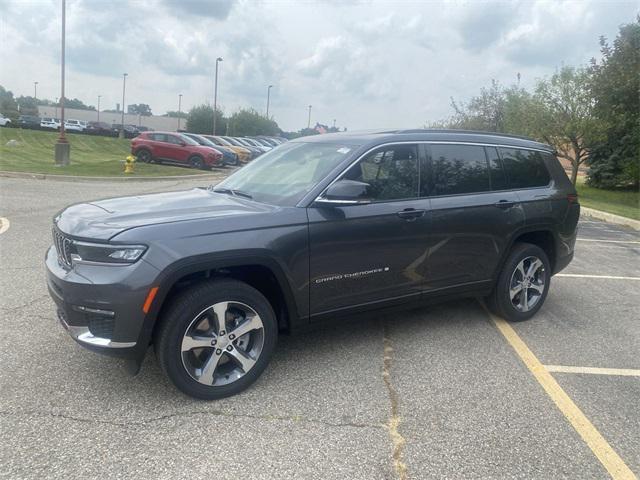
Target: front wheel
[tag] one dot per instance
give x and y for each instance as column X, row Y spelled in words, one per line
column 196, row 162
column 144, row 156
column 216, row 339
column 523, row 284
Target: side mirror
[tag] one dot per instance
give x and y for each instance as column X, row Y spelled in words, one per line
column 345, row 192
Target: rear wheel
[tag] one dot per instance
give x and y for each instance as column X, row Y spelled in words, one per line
column 523, row 284
column 196, row 162
column 216, row 339
column 144, row 156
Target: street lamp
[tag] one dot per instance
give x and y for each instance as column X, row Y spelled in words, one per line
column 268, row 97
column 309, row 120
column 215, row 95
column 56, row 108
column 124, row 83
column 62, row 149
column 179, row 107
column 35, row 90
column 99, row 97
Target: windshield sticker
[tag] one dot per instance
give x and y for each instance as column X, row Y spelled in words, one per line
column 343, row 150
column 356, row 275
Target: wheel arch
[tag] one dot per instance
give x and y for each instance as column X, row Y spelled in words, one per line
column 542, row 236
column 263, row 273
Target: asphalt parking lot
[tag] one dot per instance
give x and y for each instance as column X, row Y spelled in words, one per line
column 442, row 392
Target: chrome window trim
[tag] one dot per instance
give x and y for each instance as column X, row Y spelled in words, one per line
column 430, row 142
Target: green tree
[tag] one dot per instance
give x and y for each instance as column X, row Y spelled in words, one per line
column 27, row 105
column 563, row 115
column 76, row 103
column 139, row 109
column 615, row 161
column 248, row 122
column 200, row 120
column 8, row 105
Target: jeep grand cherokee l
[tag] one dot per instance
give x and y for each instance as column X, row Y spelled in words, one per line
column 318, row 227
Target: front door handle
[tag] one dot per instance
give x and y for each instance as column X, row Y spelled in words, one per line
column 411, row 214
column 504, row 204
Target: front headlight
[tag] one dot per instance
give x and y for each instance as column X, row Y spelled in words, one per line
column 111, row 254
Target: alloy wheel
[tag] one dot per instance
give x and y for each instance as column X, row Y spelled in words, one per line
column 222, row 343
column 527, row 284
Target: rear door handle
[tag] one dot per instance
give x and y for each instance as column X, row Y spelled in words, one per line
column 504, row 204
column 411, row 214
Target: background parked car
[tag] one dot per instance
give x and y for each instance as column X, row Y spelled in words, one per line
column 4, row 121
column 73, row 125
column 29, row 121
column 228, row 155
column 130, row 131
column 175, row 148
column 244, row 154
column 254, row 143
column 50, row 123
column 99, row 128
column 255, row 152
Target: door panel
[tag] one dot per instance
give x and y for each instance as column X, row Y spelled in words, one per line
column 366, row 253
column 376, row 251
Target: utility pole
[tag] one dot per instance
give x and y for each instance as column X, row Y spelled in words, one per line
column 56, row 108
column 215, row 95
column 124, row 83
column 179, row 107
column 99, row 96
column 268, row 97
column 309, row 120
column 62, row 149
column 35, row 91
column 334, row 123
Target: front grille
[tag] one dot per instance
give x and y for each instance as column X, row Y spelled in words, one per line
column 63, row 247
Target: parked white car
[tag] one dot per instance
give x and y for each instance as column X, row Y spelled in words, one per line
column 48, row 122
column 73, row 125
column 4, row 121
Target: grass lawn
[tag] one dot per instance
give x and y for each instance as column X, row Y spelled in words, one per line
column 619, row 202
column 90, row 155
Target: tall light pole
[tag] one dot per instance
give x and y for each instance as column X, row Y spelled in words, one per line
column 124, row 83
column 35, row 90
column 180, row 107
column 268, row 97
column 215, row 95
column 56, row 108
column 309, row 120
column 62, row 149
column 99, row 97
column 334, row 123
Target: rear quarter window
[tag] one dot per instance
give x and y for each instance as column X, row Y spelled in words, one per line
column 524, row 168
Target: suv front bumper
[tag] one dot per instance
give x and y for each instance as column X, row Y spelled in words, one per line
column 100, row 306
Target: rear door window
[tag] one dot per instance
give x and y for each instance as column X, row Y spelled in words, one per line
column 458, row 169
column 524, row 168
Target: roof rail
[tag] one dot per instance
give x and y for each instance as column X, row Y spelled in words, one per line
column 454, row 130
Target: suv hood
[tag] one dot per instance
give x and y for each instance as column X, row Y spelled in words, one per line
column 101, row 220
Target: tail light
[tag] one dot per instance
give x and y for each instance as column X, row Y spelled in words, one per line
column 572, row 198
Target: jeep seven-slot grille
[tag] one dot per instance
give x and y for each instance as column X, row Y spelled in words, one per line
column 63, row 247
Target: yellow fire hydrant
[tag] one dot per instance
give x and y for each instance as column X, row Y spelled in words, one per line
column 128, row 164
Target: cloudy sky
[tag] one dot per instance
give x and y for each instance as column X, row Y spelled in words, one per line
column 367, row 64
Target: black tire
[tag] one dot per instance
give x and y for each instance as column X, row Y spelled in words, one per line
column 178, row 318
column 196, row 162
column 500, row 301
column 144, row 156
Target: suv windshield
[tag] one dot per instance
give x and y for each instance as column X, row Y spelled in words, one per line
column 285, row 174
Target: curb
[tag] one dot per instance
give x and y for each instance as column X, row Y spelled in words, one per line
column 610, row 217
column 79, row 178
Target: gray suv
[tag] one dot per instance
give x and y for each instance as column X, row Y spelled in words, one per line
column 319, row 227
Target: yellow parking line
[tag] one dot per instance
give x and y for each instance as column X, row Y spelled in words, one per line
column 591, row 436
column 606, row 277
column 605, row 241
column 623, row 372
column 4, row 224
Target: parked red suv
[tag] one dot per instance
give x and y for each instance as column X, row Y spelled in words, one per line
column 174, row 148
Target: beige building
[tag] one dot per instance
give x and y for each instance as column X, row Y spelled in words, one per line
column 153, row 122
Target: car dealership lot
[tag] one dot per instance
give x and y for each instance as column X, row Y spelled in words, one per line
column 427, row 393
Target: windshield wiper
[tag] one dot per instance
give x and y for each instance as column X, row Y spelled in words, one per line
column 230, row 191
